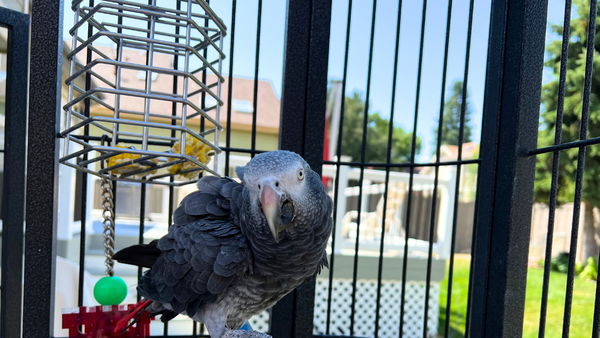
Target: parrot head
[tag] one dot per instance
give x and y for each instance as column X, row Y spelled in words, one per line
column 284, row 191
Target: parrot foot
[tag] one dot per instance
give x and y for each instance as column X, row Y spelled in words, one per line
column 243, row 334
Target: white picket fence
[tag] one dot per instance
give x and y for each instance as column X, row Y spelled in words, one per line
column 371, row 222
column 364, row 317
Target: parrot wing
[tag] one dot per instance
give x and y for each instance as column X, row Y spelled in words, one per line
column 204, row 252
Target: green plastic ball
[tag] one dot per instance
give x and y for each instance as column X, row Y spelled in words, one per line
column 110, row 291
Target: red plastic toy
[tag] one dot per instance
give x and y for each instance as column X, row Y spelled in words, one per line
column 100, row 321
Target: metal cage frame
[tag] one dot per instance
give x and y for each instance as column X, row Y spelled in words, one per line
column 171, row 31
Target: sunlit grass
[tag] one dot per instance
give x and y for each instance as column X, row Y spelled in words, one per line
column 582, row 311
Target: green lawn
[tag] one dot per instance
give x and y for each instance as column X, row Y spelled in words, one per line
column 582, row 312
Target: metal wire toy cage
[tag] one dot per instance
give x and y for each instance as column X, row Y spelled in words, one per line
column 143, row 134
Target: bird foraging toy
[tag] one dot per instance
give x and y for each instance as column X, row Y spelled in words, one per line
column 100, row 321
column 109, row 291
column 182, row 46
column 196, row 149
column 125, row 163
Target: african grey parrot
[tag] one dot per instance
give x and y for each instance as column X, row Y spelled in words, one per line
column 234, row 249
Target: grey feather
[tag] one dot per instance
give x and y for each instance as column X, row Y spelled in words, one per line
column 213, row 208
column 211, row 252
column 196, row 205
column 217, row 283
column 198, row 263
column 184, row 294
column 179, row 258
column 166, row 243
column 239, row 171
column 179, row 270
column 187, row 254
column 200, row 281
column 168, row 277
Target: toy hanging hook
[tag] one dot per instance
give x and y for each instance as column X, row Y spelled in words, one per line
column 108, row 221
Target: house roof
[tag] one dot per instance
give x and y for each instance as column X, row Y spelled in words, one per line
column 268, row 105
column 449, row 153
column 66, row 67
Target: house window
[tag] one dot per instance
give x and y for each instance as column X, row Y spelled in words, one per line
column 141, row 75
column 209, row 101
column 128, row 200
column 243, row 106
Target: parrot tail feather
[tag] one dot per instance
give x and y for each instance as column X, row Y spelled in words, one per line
column 138, row 310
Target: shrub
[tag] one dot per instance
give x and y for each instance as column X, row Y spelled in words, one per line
column 560, row 263
column 591, row 270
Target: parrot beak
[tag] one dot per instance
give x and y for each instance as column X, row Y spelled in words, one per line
column 271, row 205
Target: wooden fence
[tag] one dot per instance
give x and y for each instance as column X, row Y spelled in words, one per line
column 539, row 226
column 562, row 231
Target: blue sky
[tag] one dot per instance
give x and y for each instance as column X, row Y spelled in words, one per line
column 272, row 48
column 432, row 64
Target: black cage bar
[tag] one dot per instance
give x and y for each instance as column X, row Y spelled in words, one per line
column 302, row 129
column 510, row 124
column 13, row 203
column 42, row 168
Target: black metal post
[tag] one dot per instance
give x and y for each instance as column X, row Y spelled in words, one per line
column 510, row 125
column 42, row 168
column 13, row 203
column 302, row 130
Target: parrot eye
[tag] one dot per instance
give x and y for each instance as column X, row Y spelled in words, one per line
column 301, row 175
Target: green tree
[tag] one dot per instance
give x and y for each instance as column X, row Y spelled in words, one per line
column 451, row 123
column 571, row 122
column 377, row 135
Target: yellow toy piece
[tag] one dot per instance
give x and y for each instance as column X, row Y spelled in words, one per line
column 128, row 157
column 194, row 148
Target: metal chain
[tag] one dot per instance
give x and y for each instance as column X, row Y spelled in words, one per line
column 109, row 225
